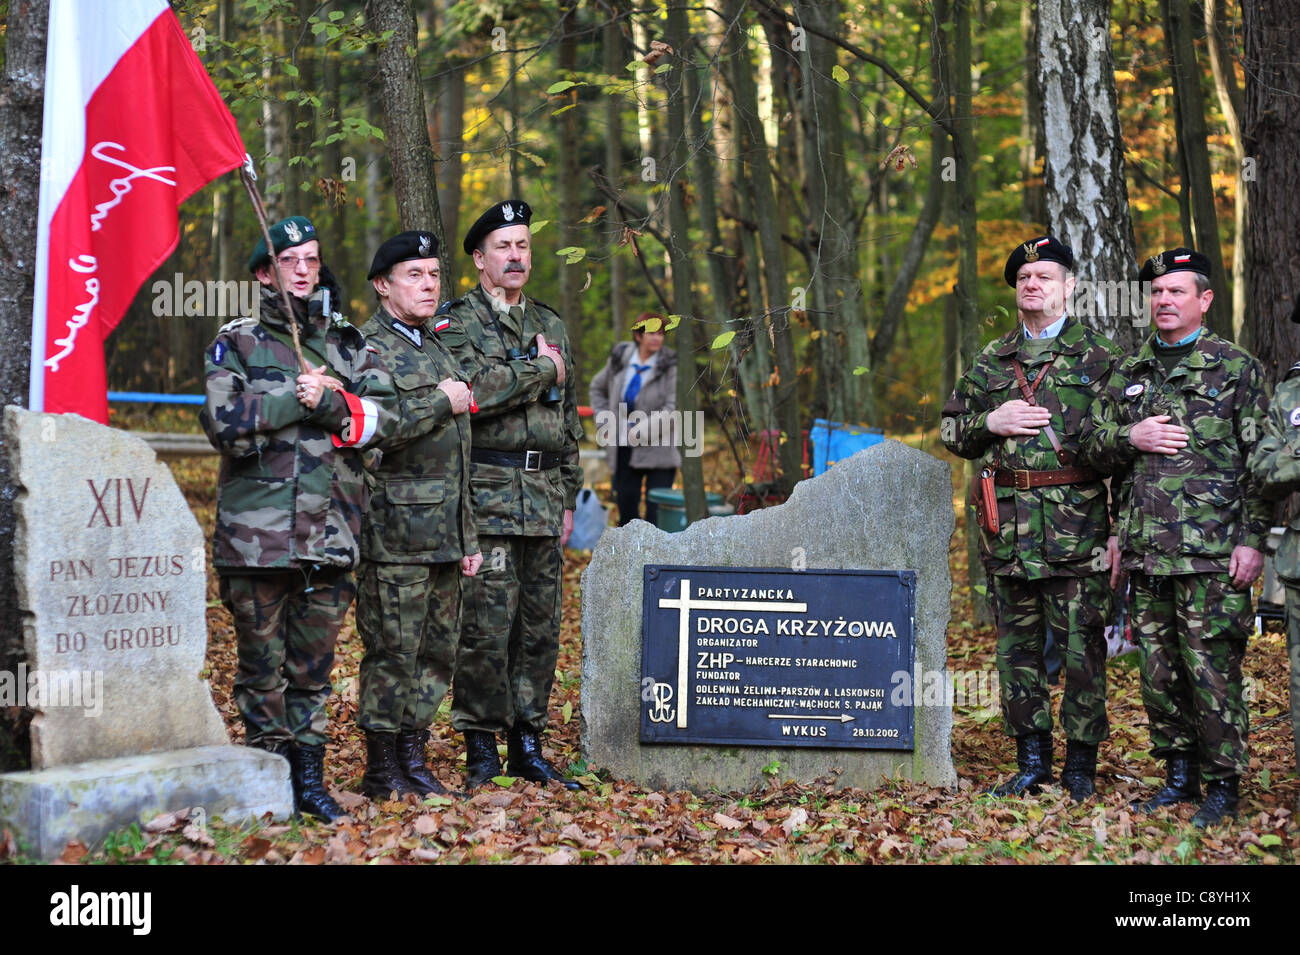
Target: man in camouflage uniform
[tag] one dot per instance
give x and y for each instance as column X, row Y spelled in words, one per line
column 1020, row 410
column 418, row 535
column 525, row 476
column 1275, row 467
column 290, row 496
column 1175, row 428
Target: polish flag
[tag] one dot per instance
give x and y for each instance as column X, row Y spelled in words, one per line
column 133, row 126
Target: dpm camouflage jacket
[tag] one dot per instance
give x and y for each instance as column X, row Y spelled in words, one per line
column 292, row 487
column 1184, row 513
column 1055, row 530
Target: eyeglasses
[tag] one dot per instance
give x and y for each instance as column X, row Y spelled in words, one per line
column 290, row 263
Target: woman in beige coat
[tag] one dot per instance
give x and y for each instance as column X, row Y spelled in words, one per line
column 634, row 399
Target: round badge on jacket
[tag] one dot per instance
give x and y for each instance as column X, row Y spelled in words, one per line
column 1295, row 417
column 1135, row 389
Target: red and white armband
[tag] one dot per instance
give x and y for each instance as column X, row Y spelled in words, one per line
column 360, row 426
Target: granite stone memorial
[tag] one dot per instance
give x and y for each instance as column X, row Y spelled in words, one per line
column 792, row 635
column 110, row 571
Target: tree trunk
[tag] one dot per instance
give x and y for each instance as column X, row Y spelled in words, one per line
column 833, row 223
column 350, row 269
column 272, row 182
column 1219, row 34
column 1189, row 102
column 614, row 58
column 679, row 254
column 914, row 253
column 376, row 165
column 1270, row 130
column 301, row 133
column 1033, row 202
column 224, row 266
column 22, row 92
column 406, row 131
column 753, row 150
column 570, row 146
column 968, row 329
column 1087, row 197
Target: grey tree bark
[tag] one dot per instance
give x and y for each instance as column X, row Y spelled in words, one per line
column 833, row 223
column 272, row 184
column 1189, row 101
column 754, row 155
column 1270, row 131
column 570, row 144
column 1087, row 196
column 679, row 254
column 882, row 342
column 406, row 130
column 1218, row 35
column 22, row 93
column 614, row 58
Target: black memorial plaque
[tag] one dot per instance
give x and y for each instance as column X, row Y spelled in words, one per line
column 756, row 657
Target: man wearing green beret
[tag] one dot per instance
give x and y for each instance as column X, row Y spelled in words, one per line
column 290, row 495
column 525, row 475
column 1175, row 428
column 418, row 534
column 1021, row 409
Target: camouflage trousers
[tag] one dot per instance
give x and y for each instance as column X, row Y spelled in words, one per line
column 510, row 637
column 1192, row 631
column 408, row 616
column 1077, row 609
column 1293, row 652
column 287, row 623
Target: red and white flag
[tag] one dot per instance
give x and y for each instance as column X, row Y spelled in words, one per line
column 133, row 127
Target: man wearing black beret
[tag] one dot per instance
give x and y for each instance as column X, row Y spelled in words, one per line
column 525, row 475
column 418, row 536
column 1175, row 429
column 1020, row 410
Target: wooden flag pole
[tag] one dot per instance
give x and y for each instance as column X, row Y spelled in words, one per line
column 255, row 197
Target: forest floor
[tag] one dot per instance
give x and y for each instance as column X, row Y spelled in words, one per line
column 616, row 821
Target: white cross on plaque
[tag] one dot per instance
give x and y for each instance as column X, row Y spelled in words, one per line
column 684, row 605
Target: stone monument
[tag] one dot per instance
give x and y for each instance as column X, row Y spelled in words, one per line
column 887, row 508
column 110, row 570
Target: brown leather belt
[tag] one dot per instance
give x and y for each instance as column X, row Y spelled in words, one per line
column 1024, row 480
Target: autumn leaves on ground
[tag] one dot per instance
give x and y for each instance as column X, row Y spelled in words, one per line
column 618, row 822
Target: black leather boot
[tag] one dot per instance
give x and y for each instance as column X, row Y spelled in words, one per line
column 1034, row 763
column 1045, row 748
column 1079, row 774
column 1220, row 802
column 384, row 775
column 280, row 747
column 410, row 757
column 1182, row 783
column 307, row 772
column 481, row 760
column 526, row 760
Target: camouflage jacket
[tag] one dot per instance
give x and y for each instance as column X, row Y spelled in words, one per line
column 291, row 489
column 1184, row 513
column 420, row 507
column 1056, row 530
column 1275, row 468
column 513, row 415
